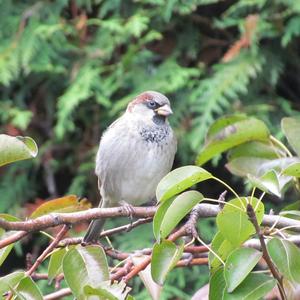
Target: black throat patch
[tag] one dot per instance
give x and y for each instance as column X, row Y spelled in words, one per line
column 155, row 134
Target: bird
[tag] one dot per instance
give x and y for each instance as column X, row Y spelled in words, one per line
column 135, row 152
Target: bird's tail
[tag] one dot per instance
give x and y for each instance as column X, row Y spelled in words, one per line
column 94, row 231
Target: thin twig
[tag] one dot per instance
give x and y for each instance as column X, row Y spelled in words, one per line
column 12, row 238
column 48, row 250
column 109, row 232
column 267, row 258
column 58, row 294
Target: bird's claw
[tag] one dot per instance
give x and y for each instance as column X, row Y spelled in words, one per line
column 130, row 211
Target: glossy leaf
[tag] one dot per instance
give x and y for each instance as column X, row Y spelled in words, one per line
column 179, row 180
column 16, row 148
column 85, row 266
column 268, row 183
column 65, row 204
column 222, row 123
column 292, row 170
column 159, row 216
column 217, row 285
column 291, row 129
column 152, row 287
column 255, row 149
column 254, row 287
column 108, row 291
column 234, row 219
column 243, row 166
column 222, row 248
column 164, row 257
column 238, row 265
column 178, row 209
column 4, row 252
column 27, row 289
column 278, row 164
column 10, row 281
column 286, row 257
column 231, row 136
column 55, row 263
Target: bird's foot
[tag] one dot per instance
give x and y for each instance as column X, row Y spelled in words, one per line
column 129, row 209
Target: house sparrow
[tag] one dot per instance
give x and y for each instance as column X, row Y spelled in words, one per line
column 134, row 154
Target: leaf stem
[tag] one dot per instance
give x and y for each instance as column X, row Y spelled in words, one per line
column 211, row 250
column 231, row 189
column 281, row 145
column 220, row 201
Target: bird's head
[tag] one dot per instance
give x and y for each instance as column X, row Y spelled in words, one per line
column 152, row 106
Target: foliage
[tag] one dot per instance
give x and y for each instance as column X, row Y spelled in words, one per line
column 68, row 69
column 85, row 268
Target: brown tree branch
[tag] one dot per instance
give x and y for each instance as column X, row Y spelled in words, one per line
column 48, row 250
column 109, row 232
column 54, row 219
column 12, row 238
column 267, row 258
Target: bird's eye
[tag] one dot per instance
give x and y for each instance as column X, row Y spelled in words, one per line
column 152, row 104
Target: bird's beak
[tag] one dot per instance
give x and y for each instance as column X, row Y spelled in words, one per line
column 164, row 110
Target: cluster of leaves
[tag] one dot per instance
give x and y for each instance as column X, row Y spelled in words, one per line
column 268, row 166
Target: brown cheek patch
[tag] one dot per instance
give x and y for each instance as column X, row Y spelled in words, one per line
column 139, row 99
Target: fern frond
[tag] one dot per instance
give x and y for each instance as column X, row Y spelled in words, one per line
column 79, row 91
column 215, row 94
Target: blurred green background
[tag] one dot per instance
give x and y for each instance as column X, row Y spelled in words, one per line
column 69, row 68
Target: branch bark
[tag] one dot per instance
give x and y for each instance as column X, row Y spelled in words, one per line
column 55, row 219
column 267, row 258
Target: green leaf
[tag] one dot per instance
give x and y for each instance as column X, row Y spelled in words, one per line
column 179, row 180
column 55, row 263
column 10, row 280
column 292, row 170
column 286, row 257
column 159, row 216
column 293, row 214
column 178, row 209
column 291, row 129
column 16, row 148
column 221, row 123
column 223, row 248
column 217, row 285
column 70, row 203
column 152, row 287
column 85, row 266
column 268, row 183
column 164, row 258
column 234, row 219
column 28, row 290
column 238, row 265
column 231, row 136
column 254, row 287
column 255, row 149
column 4, row 252
column 242, row 166
column 108, row 291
